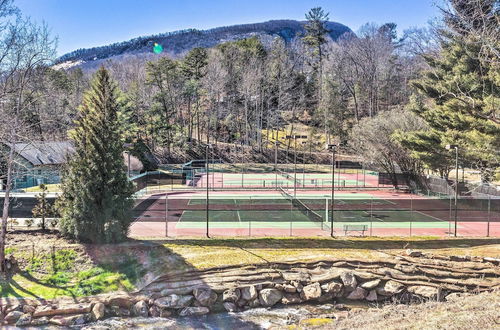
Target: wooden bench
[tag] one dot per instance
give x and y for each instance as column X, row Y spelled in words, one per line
column 359, row 228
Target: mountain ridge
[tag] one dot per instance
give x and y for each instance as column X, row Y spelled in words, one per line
column 178, row 42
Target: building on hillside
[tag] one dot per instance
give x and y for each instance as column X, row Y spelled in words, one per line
column 41, row 162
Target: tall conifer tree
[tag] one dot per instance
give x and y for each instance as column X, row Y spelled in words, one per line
column 96, row 200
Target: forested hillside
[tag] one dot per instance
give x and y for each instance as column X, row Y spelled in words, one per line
column 393, row 101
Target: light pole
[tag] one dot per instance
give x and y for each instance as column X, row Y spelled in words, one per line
column 451, row 147
column 208, row 181
column 332, row 147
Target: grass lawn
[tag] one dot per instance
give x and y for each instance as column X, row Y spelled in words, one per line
column 80, row 270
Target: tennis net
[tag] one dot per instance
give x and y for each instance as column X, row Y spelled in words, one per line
column 304, row 209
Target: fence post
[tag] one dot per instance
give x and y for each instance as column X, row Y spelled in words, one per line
column 411, row 212
column 250, row 228
column 371, row 216
column 489, row 214
column 166, row 214
column 449, row 219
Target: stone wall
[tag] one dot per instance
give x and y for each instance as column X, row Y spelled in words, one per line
column 403, row 279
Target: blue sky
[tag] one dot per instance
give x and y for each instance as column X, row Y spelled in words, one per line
column 88, row 23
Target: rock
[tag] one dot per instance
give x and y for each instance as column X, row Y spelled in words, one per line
column 311, row 292
column 230, row 307
column 29, row 309
column 65, row 321
column 205, row 296
column 165, row 313
column 298, row 286
column 372, row 295
column 326, row 297
column 242, row 302
column 333, row 287
column 426, row 291
column 249, row 292
column 13, row 316
column 370, row 285
column 291, row 298
column 189, row 311
column 120, row 301
column 412, row 253
column 349, row 280
column 341, row 315
column 140, row 309
column 154, row 311
column 25, row 319
column 40, row 321
column 254, row 303
column 51, row 310
column 98, row 311
column 289, row 288
column 174, row 301
column 390, row 288
column 269, row 297
column 358, row 294
column 231, row 295
column 12, row 308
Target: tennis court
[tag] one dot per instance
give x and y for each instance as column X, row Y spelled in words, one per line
column 281, row 214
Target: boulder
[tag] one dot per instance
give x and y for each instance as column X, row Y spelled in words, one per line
column 311, row 292
column 390, row 288
column 249, row 292
column 269, row 297
column 358, row 294
column 254, row 303
column 98, row 311
column 426, row 291
column 13, row 317
column 333, row 287
column 28, row 309
column 349, row 280
column 326, row 297
column 289, row 288
column 120, row 301
column 51, row 310
column 230, row 307
column 24, row 320
column 154, row 311
column 291, row 298
column 205, row 296
column 65, row 321
column 40, row 321
column 140, row 309
column 372, row 295
column 231, row 295
column 174, row 301
column 370, row 284
column 11, row 308
column 165, row 313
column 189, row 311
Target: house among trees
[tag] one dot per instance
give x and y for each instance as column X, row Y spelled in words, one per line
column 38, row 162
column 41, row 162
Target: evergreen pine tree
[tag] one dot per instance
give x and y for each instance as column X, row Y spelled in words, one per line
column 462, row 100
column 96, row 204
column 43, row 209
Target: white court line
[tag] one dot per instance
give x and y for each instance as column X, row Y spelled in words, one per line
column 430, row 216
